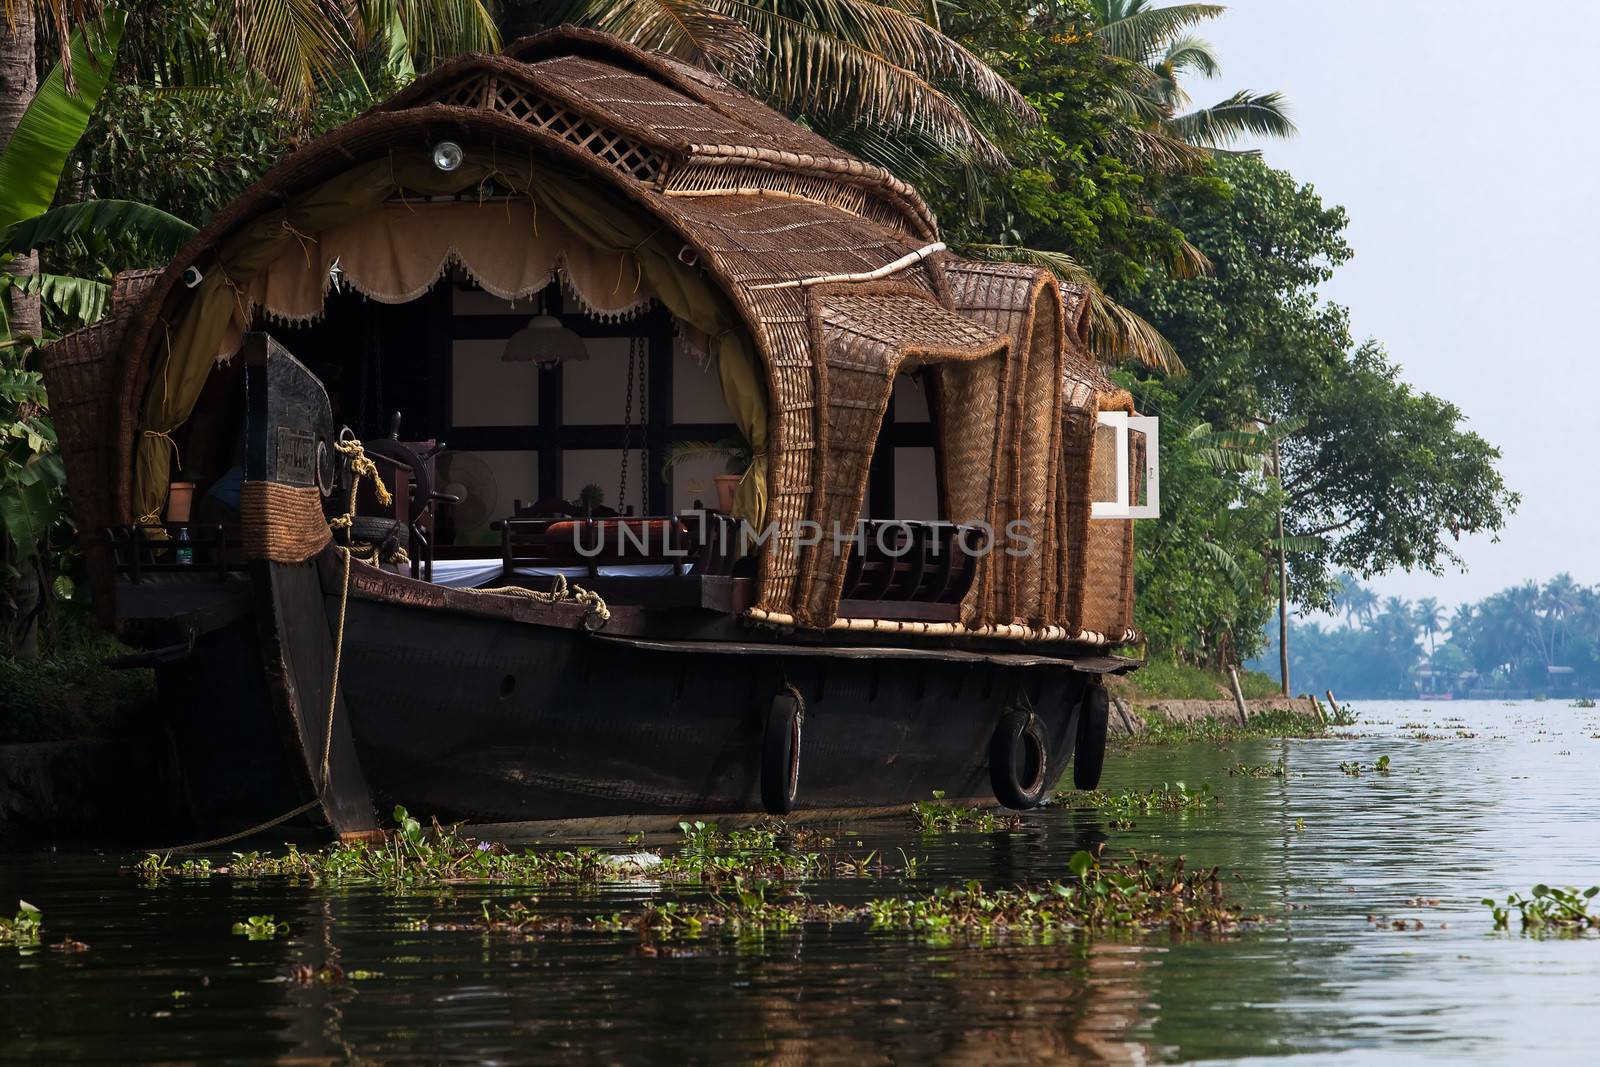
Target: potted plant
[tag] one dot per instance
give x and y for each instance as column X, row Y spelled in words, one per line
column 734, row 451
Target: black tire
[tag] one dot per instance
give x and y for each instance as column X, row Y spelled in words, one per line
column 1017, row 762
column 1089, row 755
column 780, row 754
column 387, row 534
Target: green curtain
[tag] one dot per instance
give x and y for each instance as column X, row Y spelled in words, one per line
column 589, row 210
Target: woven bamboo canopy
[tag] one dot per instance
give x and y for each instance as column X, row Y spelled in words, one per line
column 824, row 272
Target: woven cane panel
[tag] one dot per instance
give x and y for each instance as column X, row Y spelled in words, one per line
column 863, row 334
column 524, row 102
column 759, row 241
column 1105, row 594
column 637, row 100
column 1023, row 302
column 705, row 179
column 1038, row 428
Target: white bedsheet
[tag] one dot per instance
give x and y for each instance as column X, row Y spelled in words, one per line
column 475, row 573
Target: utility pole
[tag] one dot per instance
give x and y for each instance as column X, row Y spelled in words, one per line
column 1283, row 579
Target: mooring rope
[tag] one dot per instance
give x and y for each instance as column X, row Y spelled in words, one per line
column 559, row 593
column 361, row 466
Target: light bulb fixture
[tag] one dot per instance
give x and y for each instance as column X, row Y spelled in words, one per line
column 447, row 156
column 544, row 341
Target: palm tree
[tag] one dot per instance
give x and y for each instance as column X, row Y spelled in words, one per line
column 1356, row 599
column 1429, row 616
column 1157, row 52
column 867, row 73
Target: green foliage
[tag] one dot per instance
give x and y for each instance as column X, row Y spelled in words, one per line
column 1124, row 806
column 1354, row 768
column 938, row 816
column 31, row 474
column 1505, row 644
column 69, row 691
column 260, row 928
column 1160, row 730
column 1382, row 476
column 23, row 930
column 32, row 160
column 110, row 220
column 1259, row 770
column 1165, row 678
column 1562, row 910
column 1144, row 893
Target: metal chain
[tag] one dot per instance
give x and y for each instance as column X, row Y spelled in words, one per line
column 627, row 435
column 644, row 428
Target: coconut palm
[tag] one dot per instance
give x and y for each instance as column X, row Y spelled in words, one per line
column 868, row 73
column 1430, row 617
column 1157, row 53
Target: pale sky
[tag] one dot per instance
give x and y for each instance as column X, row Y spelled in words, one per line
column 1462, row 144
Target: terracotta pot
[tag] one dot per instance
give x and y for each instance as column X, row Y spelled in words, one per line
column 180, row 501
column 727, row 486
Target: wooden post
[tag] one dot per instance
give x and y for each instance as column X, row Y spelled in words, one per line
column 1283, row 582
column 1238, row 697
column 1317, row 706
column 1127, row 720
column 1333, row 704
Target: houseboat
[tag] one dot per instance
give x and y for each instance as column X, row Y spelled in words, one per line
column 573, row 437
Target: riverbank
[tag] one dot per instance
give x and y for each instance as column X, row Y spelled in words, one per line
column 1171, row 702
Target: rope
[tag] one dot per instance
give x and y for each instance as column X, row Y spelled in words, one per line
column 361, row 467
column 558, row 594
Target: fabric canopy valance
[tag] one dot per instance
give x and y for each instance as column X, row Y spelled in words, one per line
column 393, row 244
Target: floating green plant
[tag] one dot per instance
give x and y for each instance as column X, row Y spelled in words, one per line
column 1265, row 725
column 260, row 928
column 1564, row 910
column 414, row 856
column 1355, row 767
column 937, row 816
column 1259, row 770
column 1125, row 806
column 1140, row 894
column 24, row 929
column 1583, row 702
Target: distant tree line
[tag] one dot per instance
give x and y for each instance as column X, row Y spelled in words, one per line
column 1525, row 641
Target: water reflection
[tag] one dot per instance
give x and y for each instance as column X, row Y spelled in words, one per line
column 1456, row 819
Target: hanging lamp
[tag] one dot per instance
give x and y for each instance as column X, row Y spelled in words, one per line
column 544, row 341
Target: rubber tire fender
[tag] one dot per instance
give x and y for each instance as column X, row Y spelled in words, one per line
column 780, row 753
column 1018, row 758
column 1089, row 752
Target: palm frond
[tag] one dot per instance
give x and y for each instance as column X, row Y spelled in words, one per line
column 442, row 29
column 688, row 30
column 1133, row 31
column 1191, row 53
column 1187, row 261
column 1116, row 333
column 288, row 43
column 1242, row 114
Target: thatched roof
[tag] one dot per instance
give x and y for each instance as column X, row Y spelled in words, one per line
column 776, row 216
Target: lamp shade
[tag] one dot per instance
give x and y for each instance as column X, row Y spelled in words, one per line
column 544, row 340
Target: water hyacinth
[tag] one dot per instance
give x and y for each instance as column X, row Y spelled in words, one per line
column 437, row 855
column 1142, row 894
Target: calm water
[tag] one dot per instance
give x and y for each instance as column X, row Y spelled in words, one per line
column 1504, row 796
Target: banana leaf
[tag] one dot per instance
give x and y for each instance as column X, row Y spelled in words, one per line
column 31, row 164
column 116, row 220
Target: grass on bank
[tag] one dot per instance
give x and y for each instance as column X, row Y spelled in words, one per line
column 1167, row 679
column 69, row 692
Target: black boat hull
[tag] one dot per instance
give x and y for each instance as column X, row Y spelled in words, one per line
column 480, row 720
